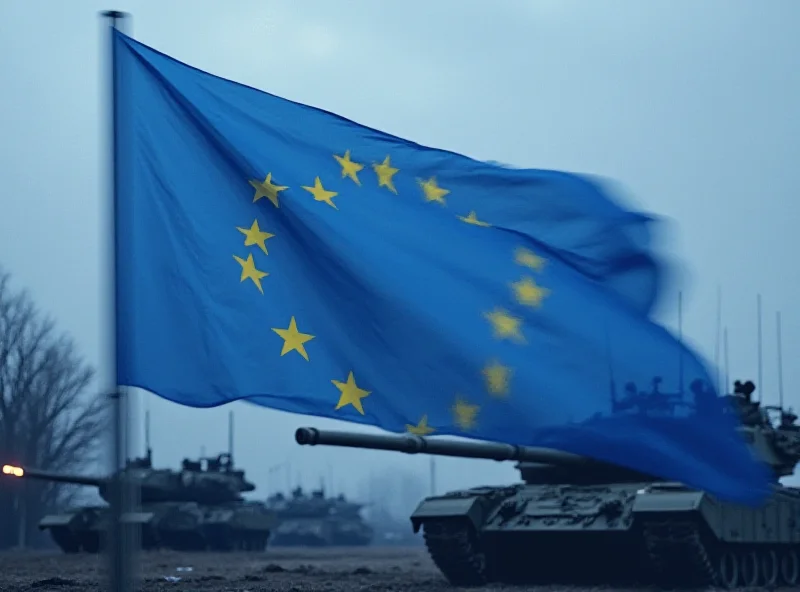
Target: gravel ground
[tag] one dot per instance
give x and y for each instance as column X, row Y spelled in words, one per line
column 371, row 569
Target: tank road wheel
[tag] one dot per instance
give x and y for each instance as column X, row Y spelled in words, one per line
column 790, row 567
column 769, row 568
column 65, row 540
column 729, row 569
column 749, row 569
column 249, row 541
column 454, row 547
column 91, row 543
column 259, row 543
column 68, row 545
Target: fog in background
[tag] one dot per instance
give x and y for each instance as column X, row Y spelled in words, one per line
column 691, row 107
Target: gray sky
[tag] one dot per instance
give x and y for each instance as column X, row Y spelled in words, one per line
column 690, row 106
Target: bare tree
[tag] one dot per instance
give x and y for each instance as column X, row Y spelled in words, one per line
column 47, row 419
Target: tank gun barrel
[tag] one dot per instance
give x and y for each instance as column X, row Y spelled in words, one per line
column 22, row 472
column 413, row 444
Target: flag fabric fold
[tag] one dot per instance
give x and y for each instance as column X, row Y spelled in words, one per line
column 277, row 253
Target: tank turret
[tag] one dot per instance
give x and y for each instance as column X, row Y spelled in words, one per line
column 625, row 526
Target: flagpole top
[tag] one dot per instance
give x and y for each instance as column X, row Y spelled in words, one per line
column 114, row 14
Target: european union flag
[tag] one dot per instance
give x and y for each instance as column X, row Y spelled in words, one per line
column 274, row 252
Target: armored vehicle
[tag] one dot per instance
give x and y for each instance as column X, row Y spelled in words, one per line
column 579, row 521
column 198, row 507
column 318, row 521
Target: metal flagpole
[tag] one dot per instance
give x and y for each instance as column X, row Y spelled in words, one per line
column 680, row 340
column 780, row 360
column 433, row 475
column 120, row 551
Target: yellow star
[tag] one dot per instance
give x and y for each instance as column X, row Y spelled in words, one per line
column 349, row 168
column 497, row 379
column 254, row 236
column 385, row 172
column 293, row 340
column 249, row 271
column 472, row 218
column 267, row 189
column 527, row 292
column 529, row 259
column 504, row 325
column 351, row 394
column 464, row 414
column 432, row 191
column 322, row 194
column 422, row 428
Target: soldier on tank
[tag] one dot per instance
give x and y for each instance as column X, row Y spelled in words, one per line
column 749, row 410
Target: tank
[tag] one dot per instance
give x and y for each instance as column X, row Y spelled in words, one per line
column 199, row 507
column 318, row 521
column 575, row 520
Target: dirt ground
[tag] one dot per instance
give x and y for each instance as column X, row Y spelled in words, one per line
column 371, row 569
column 284, row 570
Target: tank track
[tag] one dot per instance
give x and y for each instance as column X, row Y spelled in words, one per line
column 678, row 556
column 453, row 545
column 681, row 556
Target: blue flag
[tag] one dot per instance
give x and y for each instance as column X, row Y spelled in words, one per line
column 274, row 252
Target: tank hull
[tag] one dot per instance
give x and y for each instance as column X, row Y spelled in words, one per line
column 181, row 526
column 350, row 538
column 616, row 534
column 245, row 526
column 321, row 533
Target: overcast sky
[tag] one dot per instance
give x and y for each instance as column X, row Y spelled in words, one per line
column 691, row 107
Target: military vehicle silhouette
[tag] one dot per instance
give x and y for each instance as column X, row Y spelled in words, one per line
column 198, row 507
column 318, row 521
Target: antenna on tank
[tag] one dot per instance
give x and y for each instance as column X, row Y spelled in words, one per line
column 148, row 450
column 609, row 354
column 230, row 434
column 725, row 356
column 760, row 365
column 719, row 329
column 780, row 360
